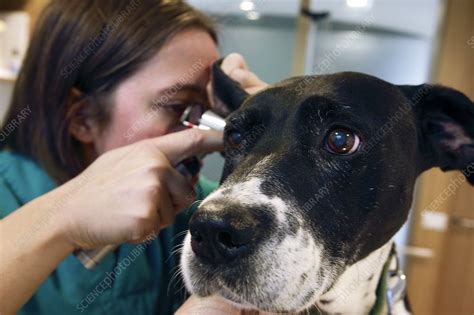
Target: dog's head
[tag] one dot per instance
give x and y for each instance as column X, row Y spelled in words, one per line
column 319, row 173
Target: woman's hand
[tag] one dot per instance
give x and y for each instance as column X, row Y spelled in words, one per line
column 214, row 305
column 236, row 68
column 125, row 195
column 131, row 192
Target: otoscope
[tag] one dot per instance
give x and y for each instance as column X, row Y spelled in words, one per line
column 188, row 168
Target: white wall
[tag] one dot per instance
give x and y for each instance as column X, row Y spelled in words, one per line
column 416, row 17
column 394, row 57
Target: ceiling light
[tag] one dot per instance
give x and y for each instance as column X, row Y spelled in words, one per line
column 357, row 3
column 253, row 15
column 247, row 5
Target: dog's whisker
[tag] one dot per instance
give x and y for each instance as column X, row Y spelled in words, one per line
column 174, row 278
column 317, row 308
column 189, row 208
column 178, row 235
column 177, row 249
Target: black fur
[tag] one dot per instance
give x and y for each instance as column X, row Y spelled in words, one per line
column 353, row 203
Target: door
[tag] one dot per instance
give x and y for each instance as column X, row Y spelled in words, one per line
column 444, row 207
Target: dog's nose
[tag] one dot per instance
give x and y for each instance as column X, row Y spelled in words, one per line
column 219, row 238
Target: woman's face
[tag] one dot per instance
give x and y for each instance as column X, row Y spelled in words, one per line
column 149, row 103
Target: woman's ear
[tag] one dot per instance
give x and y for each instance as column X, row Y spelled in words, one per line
column 79, row 124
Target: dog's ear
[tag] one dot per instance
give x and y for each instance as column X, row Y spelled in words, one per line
column 228, row 94
column 445, row 119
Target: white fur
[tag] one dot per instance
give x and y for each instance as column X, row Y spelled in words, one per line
column 186, row 256
column 349, row 292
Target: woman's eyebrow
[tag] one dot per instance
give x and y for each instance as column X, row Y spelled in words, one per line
column 176, row 88
column 165, row 96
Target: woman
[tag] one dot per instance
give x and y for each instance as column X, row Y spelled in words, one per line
column 91, row 140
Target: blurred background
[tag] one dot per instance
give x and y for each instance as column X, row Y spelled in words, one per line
column 401, row 41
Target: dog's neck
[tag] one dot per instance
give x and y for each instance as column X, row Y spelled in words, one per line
column 355, row 290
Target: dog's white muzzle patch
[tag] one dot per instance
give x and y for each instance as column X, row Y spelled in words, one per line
column 284, row 272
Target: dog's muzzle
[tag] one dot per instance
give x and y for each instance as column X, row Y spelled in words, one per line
column 253, row 249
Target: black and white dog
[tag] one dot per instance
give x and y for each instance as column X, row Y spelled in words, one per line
column 319, row 176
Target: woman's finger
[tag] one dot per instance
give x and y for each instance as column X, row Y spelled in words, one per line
column 152, row 228
column 233, row 61
column 180, row 145
column 180, row 190
column 166, row 210
column 212, row 305
column 247, row 79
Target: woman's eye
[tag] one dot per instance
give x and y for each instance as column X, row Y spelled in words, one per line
column 235, row 139
column 194, row 111
column 175, row 108
column 342, row 141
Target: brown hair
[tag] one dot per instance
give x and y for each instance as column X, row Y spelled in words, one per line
column 91, row 45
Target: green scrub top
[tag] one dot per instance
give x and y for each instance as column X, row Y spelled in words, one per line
column 135, row 279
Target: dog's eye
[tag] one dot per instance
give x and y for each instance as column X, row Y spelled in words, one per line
column 342, row 141
column 235, row 139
